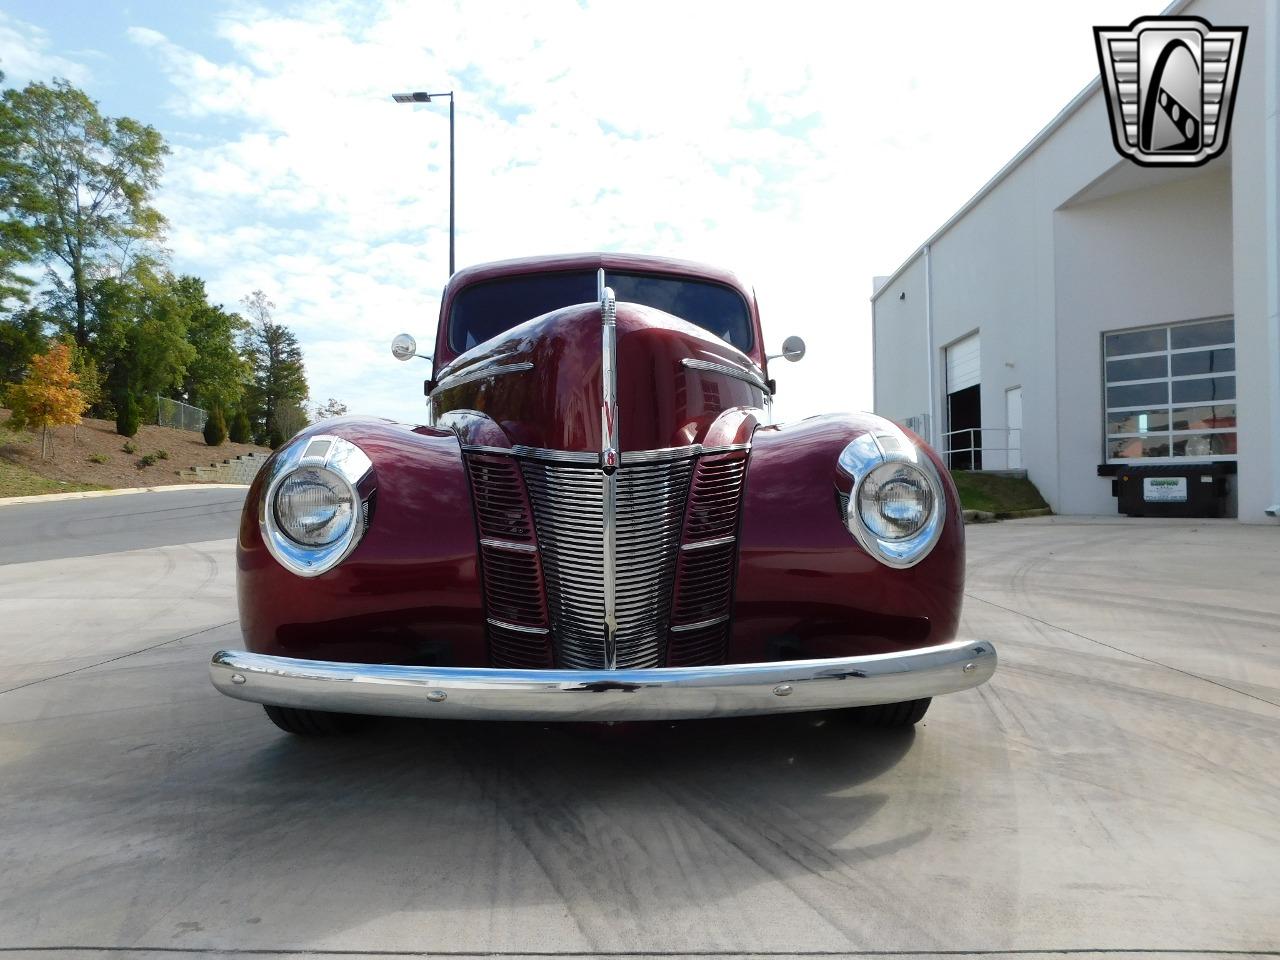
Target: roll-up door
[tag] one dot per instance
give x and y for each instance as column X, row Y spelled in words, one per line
column 964, row 368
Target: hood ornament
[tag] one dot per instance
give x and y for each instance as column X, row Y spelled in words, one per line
column 608, row 375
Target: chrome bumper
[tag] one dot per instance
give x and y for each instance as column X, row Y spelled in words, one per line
column 667, row 693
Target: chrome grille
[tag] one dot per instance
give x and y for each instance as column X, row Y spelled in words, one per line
column 516, row 616
column 568, row 509
column 708, row 558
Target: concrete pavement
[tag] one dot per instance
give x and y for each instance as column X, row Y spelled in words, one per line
column 1116, row 786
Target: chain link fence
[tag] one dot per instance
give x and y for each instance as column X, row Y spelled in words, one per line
column 179, row 415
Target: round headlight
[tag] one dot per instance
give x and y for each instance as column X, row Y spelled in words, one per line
column 895, row 500
column 314, row 506
column 896, row 507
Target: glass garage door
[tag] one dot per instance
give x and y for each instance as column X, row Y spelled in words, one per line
column 1171, row 392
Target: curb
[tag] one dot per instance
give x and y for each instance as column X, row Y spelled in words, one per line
column 1024, row 514
column 986, row 516
column 90, row 494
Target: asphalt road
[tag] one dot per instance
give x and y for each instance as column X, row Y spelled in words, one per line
column 1116, row 787
column 53, row 530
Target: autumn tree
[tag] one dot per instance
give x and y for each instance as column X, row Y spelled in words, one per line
column 49, row 396
column 278, row 393
column 79, row 184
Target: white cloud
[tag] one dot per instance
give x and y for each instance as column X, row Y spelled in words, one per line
column 809, row 151
column 25, row 55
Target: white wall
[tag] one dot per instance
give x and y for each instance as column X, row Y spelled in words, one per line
column 900, row 341
column 1076, row 240
column 1142, row 257
column 1256, row 240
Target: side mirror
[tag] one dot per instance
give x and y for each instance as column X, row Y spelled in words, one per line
column 404, row 347
column 792, row 349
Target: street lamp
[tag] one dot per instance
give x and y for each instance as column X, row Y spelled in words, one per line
column 421, row 97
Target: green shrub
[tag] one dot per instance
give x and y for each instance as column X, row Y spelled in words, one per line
column 275, row 439
column 129, row 447
column 99, row 458
column 241, row 430
column 149, row 460
column 162, row 454
column 215, row 428
column 127, row 417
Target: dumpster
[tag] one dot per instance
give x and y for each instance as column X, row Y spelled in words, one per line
column 1171, row 490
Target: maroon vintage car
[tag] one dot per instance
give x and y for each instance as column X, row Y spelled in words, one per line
column 598, row 522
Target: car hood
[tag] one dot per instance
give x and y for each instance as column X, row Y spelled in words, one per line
column 541, row 382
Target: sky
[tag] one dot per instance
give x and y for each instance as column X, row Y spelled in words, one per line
column 806, row 146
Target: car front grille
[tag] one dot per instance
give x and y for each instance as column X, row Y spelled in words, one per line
column 708, row 557
column 541, row 521
column 568, row 509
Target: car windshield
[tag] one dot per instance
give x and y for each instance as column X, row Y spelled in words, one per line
column 485, row 310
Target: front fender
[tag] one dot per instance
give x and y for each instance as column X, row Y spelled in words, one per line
column 409, row 593
column 805, row 588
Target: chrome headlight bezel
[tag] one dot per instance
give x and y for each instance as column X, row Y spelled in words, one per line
column 861, row 457
column 349, row 465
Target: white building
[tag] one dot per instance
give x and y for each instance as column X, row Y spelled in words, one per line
column 1074, row 273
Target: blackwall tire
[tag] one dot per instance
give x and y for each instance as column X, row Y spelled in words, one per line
column 904, row 714
column 312, row 723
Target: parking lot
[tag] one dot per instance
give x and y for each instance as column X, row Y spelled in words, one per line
column 1116, row 787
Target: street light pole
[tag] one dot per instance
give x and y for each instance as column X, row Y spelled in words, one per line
column 423, row 97
column 451, row 169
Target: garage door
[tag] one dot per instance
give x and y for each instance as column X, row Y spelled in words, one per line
column 963, row 364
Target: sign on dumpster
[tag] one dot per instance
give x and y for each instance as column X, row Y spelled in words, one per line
column 1164, row 489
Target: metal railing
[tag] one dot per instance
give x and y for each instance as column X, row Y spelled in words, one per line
column 179, row 415
column 969, row 449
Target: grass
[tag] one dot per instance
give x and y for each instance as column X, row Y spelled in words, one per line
column 996, row 494
column 17, row 481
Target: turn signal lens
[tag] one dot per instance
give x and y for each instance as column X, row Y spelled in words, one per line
column 895, row 500
column 314, row 507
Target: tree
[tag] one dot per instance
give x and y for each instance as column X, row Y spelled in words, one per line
column 49, row 396
column 19, row 241
column 333, row 408
column 88, row 376
column 279, row 377
column 218, row 374
column 82, row 184
column 289, row 419
column 241, row 430
column 21, row 338
column 127, row 416
column 141, row 335
column 215, row 428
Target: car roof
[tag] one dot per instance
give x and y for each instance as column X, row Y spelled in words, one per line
column 642, row 263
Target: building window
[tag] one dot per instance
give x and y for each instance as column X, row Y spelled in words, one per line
column 1171, row 392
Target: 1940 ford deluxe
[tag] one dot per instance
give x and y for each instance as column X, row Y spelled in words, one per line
column 599, row 523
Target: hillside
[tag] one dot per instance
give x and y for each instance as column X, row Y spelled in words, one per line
column 92, row 457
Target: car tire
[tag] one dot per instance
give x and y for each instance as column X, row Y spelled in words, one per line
column 904, row 714
column 311, row 723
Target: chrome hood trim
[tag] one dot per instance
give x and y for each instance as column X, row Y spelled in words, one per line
column 609, row 463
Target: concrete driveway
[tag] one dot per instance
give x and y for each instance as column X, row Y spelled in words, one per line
column 1115, row 788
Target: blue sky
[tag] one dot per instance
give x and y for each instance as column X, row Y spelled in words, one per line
column 808, row 147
